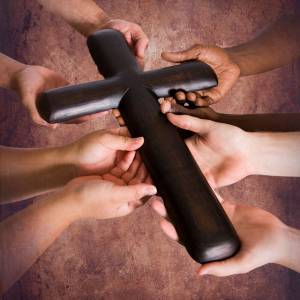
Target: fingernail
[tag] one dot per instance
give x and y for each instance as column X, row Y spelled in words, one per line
column 138, row 139
column 151, row 190
column 203, row 272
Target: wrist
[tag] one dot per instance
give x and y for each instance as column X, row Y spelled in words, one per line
column 10, row 68
column 260, row 150
column 97, row 22
column 67, row 204
column 63, row 159
column 290, row 248
column 237, row 56
column 249, row 153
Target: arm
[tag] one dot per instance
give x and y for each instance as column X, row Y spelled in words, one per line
column 278, row 122
column 8, row 67
column 276, row 46
column 265, row 239
column 26, row 235
column 275, row 154
column 84, row 15
column 28, row 82
column 226, row 154
column 27, row 173
column 87, row 17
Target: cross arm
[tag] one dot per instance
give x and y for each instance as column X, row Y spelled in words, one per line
column 74, row 101
column 189, row 76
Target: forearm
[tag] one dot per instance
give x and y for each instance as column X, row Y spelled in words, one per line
column 290, row 257
column 26, row 173
column 84, row 15
column 8, row 68
column 279, row 122
column 276, row 46
column 26, row 235
column 274, row 154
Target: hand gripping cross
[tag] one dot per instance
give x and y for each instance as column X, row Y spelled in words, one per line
column 200, row 220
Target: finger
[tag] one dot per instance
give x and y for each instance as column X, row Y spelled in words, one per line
column 149, row 180
column 180, row 96
column 36, row 118
column 116, row 113
column 133, row 193
column 141, row 45
column 169, row 229
column 120, row 131
column 112, row 178
column 180, row 55
column 190, row 123
column 124, row 164
column 121, row 121
column 120, row 142
column 165, row 106
column 128, row 37
column 191, row 96
column 127, row 208
column 140, row 175
column 168, row 107
column 129, row 175
column 159, row 208
column 231, row 266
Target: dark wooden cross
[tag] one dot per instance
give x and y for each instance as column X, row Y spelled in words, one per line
column 200, row 220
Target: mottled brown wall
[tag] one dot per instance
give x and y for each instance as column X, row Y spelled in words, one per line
column 130, row 258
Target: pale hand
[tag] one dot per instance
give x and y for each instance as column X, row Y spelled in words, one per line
column 115, row 193
column 133, row 33
column 31, row 81
column 262, row 239
column 100, row 151
column 221, row 151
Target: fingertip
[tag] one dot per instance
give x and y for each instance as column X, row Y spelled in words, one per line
column 169, row 229
column 139, row 140
column 180, row 96
column 165, row 107
column 150, row 190
column 191, row 96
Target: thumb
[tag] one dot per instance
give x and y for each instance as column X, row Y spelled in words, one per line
column 180, row 56
column 200, row 126
column 133, row 193
column 35, row 116
column 120, row 142
column 141, row 46
column 223, row 268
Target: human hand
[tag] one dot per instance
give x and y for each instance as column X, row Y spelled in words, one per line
column 219, row 60
column 133, row 33
column 264, row 239
column 223, row 152
column 115, row 193
column 99, row 151
column 31, row 81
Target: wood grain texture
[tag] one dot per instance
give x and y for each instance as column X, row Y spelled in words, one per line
column 130, row 258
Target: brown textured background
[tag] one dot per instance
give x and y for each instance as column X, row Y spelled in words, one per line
column 130, row 258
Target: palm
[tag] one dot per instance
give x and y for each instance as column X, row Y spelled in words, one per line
column 259, row 232
column 34, row 79
column 219, row 154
